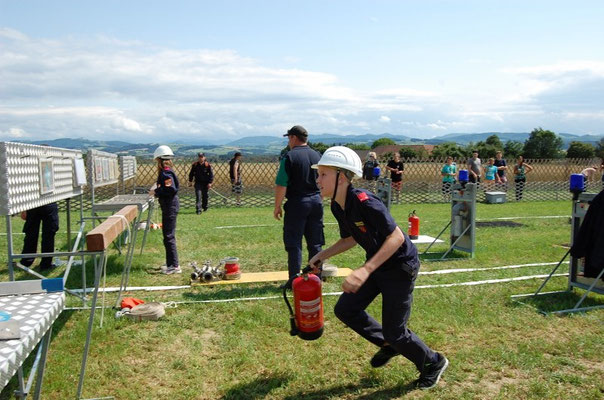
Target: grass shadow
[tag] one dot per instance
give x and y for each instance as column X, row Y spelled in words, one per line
column 257, row 389
column 436, row 256
column 115, row 266
column 553, row 302
column 233, row 291
column 341, row 390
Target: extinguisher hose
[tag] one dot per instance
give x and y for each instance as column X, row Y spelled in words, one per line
column 292, row 318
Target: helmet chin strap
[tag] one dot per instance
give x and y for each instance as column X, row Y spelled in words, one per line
column 335, row 190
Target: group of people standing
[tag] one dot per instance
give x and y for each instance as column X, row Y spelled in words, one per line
column 371, row 171
column 494, row 173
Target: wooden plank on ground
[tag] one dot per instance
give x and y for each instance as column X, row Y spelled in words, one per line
column 101, row 237
column 256, row 277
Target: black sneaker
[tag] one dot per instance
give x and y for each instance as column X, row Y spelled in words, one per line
column 432, row 373
column 198, row 212
column 382, row 357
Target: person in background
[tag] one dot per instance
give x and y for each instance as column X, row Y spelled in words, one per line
column 520, row 170
column 396, row 168
column 491, row 175
column 602, row 171
column 235, row 175
column 201, row 171
column 297, row 182
column 588, row 173
column 474, row 167
column 166, row 190
column 369, row 166
column 449, row 174
column 48, row 216
column 502, row 167
column 390, row 268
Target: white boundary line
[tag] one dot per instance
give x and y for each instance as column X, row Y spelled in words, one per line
column 334, row 223
column 452, row 271
column 437, row 272
column 528, row 217
column 444, row 285
column 471, row 283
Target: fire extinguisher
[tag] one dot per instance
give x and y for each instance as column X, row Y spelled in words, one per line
column 413, row 226
column 307, row 321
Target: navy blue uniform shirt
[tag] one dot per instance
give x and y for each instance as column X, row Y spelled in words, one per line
column 167, row 184
column 367, row 220
column 202, row 172
column 302, row 180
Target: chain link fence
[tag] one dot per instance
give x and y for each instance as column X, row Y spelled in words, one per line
column 549, row 180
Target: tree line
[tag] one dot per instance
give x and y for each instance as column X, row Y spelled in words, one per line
column 541, row 144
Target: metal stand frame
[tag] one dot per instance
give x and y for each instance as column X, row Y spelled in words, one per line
column 383, row 190
column 71, row 254
column 37, row 370
column 578, row 213
column 463, row 199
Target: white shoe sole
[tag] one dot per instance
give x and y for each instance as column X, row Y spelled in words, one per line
column 442, row 370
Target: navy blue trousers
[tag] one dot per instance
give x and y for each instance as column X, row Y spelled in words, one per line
column 169, row 212
column 396, row 287
column 201, row 196
column 303, row 218
column 48, row 216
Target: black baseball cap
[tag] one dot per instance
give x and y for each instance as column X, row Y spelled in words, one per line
column 297, row 130
column 200, row 155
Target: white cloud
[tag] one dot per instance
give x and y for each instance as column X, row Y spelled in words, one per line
column 15, row 133
column 129, row 90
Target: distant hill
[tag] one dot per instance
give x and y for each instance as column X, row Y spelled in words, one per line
column 259, row 141
column 357, row 139
column 323, row 138
column 466, row 138
column 270, row 146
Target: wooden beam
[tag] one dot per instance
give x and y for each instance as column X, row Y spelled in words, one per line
column 101, row 237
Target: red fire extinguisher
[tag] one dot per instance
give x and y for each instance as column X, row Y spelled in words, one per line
column 307, row 322
column 413, row 226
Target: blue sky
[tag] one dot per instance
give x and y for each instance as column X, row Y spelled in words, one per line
column 209, row 71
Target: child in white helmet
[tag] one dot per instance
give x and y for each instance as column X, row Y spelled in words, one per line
column 166, row 190
column 390, row 269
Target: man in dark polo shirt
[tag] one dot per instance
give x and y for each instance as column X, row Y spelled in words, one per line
column 297, row 182
column 201, row 172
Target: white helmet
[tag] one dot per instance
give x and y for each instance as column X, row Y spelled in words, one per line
column 163, row 152
column 343, row 158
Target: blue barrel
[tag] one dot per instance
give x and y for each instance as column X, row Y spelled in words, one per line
column 577, row 183
column 376, row 171
column 463, row 175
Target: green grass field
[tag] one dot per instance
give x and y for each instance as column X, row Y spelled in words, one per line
column 498, row 349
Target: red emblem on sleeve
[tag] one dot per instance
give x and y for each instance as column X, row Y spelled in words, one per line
column 362, row 196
